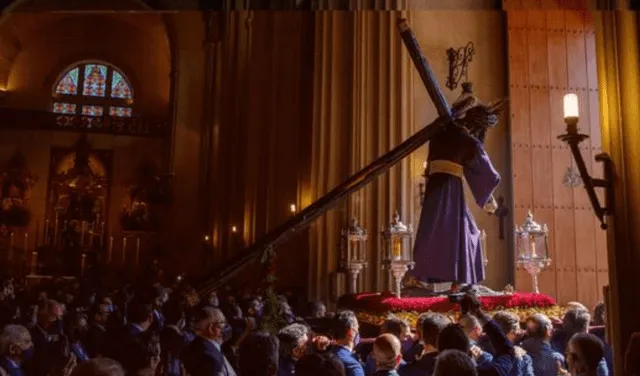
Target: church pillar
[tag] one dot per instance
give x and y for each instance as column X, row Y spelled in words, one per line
column 619, row 80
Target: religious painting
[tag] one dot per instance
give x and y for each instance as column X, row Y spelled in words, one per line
column 78, row 196
column 147, row 190
column 15, row 181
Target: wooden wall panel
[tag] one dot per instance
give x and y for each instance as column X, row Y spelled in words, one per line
column 551, row 53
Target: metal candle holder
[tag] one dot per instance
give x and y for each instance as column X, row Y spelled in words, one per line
column 397, row 256
column 532, row 248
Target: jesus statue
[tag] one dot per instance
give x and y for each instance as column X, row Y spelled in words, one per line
column 448, row 245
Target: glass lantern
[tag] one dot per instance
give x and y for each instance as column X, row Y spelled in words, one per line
column 397, row 238
column 354, row 252
column 532, row 248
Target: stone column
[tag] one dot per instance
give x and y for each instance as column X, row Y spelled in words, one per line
column 619, row 86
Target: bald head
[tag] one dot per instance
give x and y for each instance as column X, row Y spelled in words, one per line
column 387, row 352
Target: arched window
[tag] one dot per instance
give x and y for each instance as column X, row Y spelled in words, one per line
column 93, row 89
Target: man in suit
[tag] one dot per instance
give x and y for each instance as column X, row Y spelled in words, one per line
column 347, row 337
column 15, row 348
column 431, row 324
column 293, row 346
column 48, row 339
column 387, row 354
column 203, row 356
column 129, row 345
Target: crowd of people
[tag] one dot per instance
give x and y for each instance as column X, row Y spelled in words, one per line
column 71, row 328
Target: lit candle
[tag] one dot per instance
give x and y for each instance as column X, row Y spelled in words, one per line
column 206, row 238
column 46, row 232
column 10, row 245
column 137, row 251
column 234, row 229
column 82, row 263
column 124, row 247
column 424, row 165
column 571, row 108
column 91, row 233
column 292, row 207
column 34, row 262
column 82, row 233
column 109, row 253
column 532, row 246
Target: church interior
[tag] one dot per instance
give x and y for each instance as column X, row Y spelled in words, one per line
column 176, row 140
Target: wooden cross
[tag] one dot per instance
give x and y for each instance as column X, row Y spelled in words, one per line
column 501, row 212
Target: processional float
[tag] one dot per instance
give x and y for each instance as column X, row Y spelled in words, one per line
column 266, row 245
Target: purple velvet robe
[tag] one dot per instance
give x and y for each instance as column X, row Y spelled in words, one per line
column 447, row 246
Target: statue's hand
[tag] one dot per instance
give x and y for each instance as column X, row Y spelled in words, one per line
column 491, row 206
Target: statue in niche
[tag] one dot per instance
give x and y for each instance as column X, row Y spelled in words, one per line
column 147, row 191
column 15, row 181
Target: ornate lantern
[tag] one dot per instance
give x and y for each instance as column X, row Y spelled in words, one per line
column 397, row 256
column 354, row 251
column 532, row 248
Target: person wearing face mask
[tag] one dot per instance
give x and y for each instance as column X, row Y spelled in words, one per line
column 95, row 340
column 16, row 347
column 347, row 337
column 387, row 354
column 203, row 356
column 129, row 344
column 293, row 346
column 400, row 329
column 47, row 336
column 76, row 328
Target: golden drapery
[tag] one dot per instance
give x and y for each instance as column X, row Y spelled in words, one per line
column 618, row 63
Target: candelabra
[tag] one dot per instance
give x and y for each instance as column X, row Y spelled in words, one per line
column 397, row 256
column 354, row 252
column 532, row 248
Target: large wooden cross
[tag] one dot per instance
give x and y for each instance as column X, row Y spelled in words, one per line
column 265, row 246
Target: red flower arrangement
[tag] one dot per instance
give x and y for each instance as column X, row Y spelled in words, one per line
column 387, row 302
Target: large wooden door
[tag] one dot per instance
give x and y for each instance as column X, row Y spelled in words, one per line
column 552, row 53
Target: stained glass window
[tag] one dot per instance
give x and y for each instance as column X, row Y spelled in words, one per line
column 95, row 80
column 69, row 83
column 92, row 110
column 120, row 111
column 104, row 85
column 64, row 108
column 119, row 87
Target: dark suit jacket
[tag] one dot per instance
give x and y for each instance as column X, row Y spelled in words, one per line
column 286, row 367
column 203, row 358
column 128, row 346
column 504, row 359
column 421, row 367
column 351, row 365
column 10, row 368
column 386, row 373
column 95, row 341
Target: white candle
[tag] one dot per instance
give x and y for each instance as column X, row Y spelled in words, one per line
column 110, row 249
column 91, row 233
column 124, row 247
column 55, row 229
column 532, row 246
column 82, row 233
column 34, row 262
column 46, row 232
column 26, row 241
column 82, row 263
column 101, row 232
column 137, row 250
column 570, row 106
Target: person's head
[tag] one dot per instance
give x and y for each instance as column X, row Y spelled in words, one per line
column 453, row 338
column 140, row 312
column 320, row 364
column 15, row 343
column 574, row 305
column 387, row 352
column 211, row 324
column 397, row 327
column 346, row 328
column 98, row 367
column 432, row 325
column 576, row 320
column 75, row 326
column 584, row 353
column 252, row 307
column 471, row 327
column 49, row 312
column 212, row 299
column 454, row 362
column 258, row 355
column 599, row 314
column 539, row 326
column 99, row 314
column 293, row 341
column 318, row 309
column 174, row 313
column 509, row 323
column 162, row 296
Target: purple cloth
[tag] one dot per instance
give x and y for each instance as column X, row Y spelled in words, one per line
column 448, row 246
